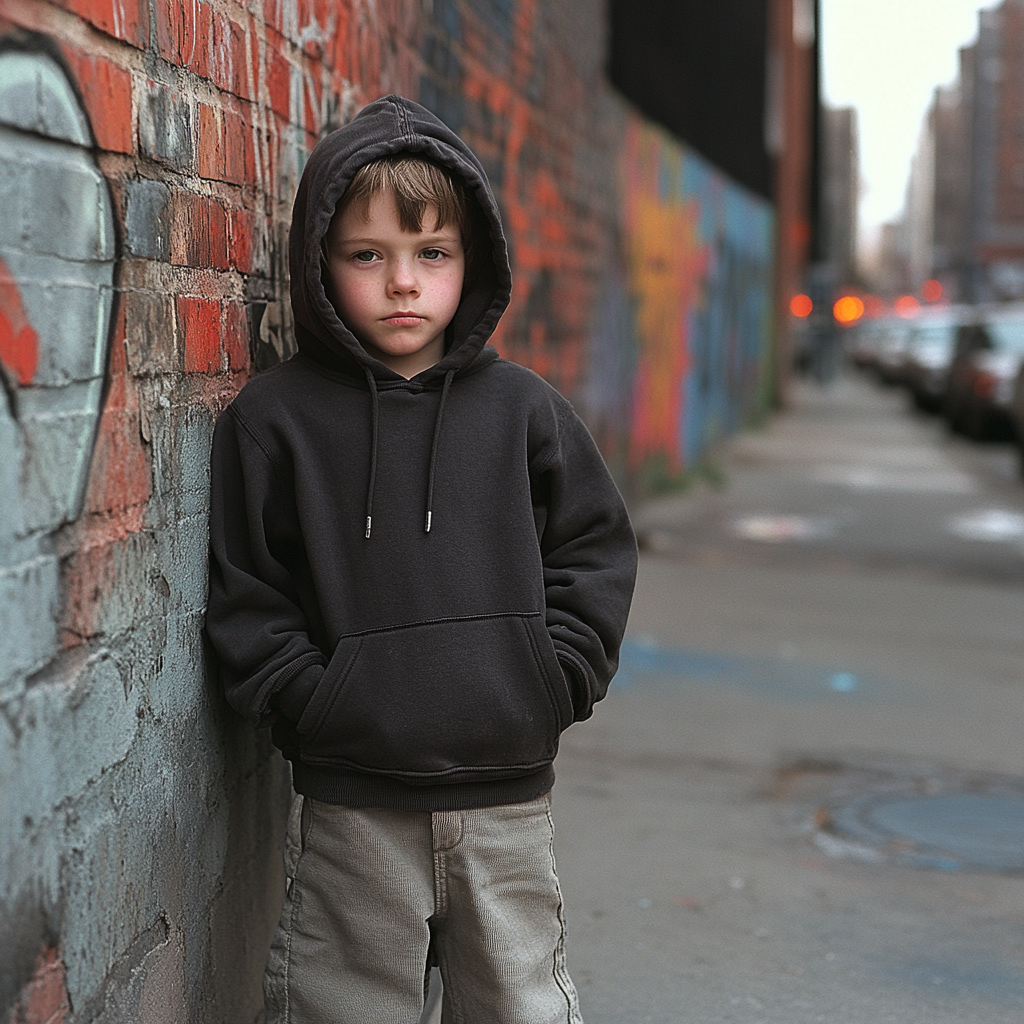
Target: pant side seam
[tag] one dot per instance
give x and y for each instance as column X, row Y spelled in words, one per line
column 560, row 970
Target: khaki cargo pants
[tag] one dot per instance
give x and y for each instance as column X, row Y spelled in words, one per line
column 375, row 897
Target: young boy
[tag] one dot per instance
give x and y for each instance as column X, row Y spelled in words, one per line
column 420, row 575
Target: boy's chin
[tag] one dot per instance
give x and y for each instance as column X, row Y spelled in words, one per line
column 412, row 350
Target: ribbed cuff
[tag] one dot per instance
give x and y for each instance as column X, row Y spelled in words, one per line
column 292, row 700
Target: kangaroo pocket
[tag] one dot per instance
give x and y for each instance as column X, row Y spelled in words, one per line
column 446, row 700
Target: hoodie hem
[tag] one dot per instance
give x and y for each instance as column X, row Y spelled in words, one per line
column 355, row 789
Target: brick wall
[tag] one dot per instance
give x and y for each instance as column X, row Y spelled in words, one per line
column 149, row 151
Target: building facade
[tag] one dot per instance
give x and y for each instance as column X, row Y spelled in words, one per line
column 963, row 219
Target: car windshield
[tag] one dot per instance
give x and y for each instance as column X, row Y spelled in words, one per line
column 938, row 337
column 894, row 334
column 1006, row 335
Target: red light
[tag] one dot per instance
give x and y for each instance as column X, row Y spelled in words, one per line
column 848, row 309
column 801, row 306
column 906, row 305
column 931, row 291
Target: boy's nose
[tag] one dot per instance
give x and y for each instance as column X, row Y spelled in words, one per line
column 403, row 279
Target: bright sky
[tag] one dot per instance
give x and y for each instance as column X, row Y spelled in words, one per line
column 885, row 58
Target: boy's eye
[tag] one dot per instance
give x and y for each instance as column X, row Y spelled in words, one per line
column 367, row 256
column 432, row 254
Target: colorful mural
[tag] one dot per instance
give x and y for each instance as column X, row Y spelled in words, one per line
column 698, row 258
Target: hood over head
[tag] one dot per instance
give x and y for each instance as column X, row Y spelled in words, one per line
column 389, row 125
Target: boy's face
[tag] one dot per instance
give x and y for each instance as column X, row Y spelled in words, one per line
column 395, row 290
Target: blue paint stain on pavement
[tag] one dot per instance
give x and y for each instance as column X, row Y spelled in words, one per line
column 644, row 661
column 968, row 973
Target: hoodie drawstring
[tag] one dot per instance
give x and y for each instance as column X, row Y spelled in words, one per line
column 375, row 405
column 433, row 448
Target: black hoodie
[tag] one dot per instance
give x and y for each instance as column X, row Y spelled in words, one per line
column 432, row 661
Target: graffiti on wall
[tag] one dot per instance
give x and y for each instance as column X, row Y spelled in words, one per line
column 56, row 287
column 698, row 259
column 56, row 299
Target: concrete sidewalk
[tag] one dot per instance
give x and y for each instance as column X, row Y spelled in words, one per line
column 837, row 631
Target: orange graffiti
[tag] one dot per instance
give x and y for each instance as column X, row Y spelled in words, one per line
column 667, row 262
column 19, row 343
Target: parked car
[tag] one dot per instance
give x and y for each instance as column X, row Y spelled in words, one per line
column 988, row 355
column 929, row 353
column 1017, row 413
column 862, row 341
column 891, row 349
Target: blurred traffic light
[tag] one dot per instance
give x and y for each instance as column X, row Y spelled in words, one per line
column 848, row 309
column 906, row 305
column 801, row 306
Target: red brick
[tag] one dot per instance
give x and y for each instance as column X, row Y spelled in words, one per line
column 215, row 222
column 220, row 145
column 241, row 226
column 279, row 82
column 234, row 141
column 123, row 19
column 252, row 159
column 198, row 59
column 171, row 21
column 228, row 67
column 44, row 1000
column 181, row 218
column 183, row 34
column 208, row 143
column 199, row 323
column 236, row 336
column 106, row 90
column 198, row 232
column 240, row 43
column 311, row 106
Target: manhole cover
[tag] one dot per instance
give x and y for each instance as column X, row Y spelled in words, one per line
column 955, row 831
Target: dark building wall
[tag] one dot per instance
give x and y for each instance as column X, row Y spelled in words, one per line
column 700, row 70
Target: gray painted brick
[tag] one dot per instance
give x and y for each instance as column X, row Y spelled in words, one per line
column 69, row 306
column 28, row 595
column 165, row 128
column 60, row 427
column 70, row 204
column 148, row 220
column 13, row 226
column 35, row 95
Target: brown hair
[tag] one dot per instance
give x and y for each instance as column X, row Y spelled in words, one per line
column 417, row 183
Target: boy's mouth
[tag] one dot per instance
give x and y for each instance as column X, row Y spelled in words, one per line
column 404, row 318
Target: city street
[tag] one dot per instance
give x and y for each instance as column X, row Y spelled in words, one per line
column 803, row 799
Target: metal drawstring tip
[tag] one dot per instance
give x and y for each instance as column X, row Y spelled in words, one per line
column 369, row 519
column 426, row 528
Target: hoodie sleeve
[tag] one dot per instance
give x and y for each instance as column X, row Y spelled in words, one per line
column 590, row 557
column 253, row 617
